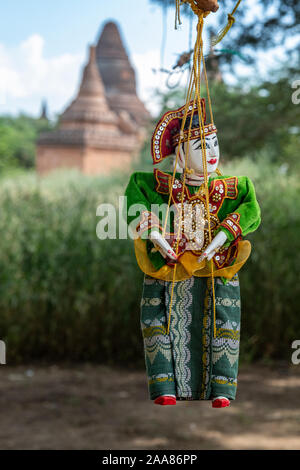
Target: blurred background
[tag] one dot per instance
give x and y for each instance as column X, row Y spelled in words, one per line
column 82, row 85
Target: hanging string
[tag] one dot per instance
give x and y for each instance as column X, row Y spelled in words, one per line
column 190, row 36
column 231, row 20
column 164, row 37
column 194, row 92
column 188, row 100
column 204, row 161
column 196, row 8
column 207, row 89
column 177, row 16
column 183, row 191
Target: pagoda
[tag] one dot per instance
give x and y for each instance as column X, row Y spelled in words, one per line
column 118, row 75
column 91, row 136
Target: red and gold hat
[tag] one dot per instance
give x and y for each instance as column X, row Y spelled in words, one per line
column 167, row 132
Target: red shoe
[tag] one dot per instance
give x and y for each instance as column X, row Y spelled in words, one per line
column 165, row 400
column 220, row 402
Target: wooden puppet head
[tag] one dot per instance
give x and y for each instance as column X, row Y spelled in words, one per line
column 207, row 5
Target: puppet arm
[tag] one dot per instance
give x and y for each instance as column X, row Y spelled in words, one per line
column 162, row 243
column 141, row 193
column 244, row 216
column 244, row 219
column 214, row 246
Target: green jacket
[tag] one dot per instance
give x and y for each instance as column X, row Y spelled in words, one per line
column 233, row 207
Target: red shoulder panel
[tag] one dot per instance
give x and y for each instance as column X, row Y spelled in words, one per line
column 231, row 187
column 162, row 181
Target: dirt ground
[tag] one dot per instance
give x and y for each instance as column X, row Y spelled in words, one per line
column 95, row 407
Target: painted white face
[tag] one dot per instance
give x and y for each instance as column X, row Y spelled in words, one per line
column 195, row 160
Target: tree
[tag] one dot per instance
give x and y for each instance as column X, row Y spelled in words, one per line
column 260, row 25
column 252, row 121
column 259, row 115
column 18, row 139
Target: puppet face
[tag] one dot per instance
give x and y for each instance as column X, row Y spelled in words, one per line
column 195, row 158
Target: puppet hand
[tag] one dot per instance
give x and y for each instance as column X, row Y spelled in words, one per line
column 159, row 240
column 214, row 246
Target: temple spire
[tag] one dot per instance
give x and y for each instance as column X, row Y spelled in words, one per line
column 91, row 83
column 110, row 43
column 113, row 62
column 44, row 111
column 90, row 103
column 100, row 131
column 118, row 75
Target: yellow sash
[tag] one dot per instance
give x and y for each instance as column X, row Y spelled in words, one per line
column 188, row 264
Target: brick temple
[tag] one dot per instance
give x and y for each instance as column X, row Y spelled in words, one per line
column 104, row 126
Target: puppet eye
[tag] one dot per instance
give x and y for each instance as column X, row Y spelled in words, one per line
column 195, row 146
column 207, row 143
column 216, row 143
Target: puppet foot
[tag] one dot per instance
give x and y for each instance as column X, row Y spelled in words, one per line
column 220, row 402
column 165, row 400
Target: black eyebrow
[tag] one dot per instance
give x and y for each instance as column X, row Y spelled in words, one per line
column 206, row 145
column 195, row 142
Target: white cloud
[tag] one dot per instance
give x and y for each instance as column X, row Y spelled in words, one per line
column 27, row 76
column 9, row 78
column 149, row 78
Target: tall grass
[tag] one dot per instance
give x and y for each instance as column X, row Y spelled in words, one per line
column 66, row 295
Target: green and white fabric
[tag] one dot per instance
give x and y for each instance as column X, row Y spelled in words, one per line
column 189, row 362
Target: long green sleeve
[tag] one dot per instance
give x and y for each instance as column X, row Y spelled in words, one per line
column 243, row 212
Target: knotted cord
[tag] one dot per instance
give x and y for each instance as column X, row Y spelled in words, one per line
column 231, row 20
column 193, row 94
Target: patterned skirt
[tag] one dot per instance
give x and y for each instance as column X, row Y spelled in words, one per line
column 189, row 362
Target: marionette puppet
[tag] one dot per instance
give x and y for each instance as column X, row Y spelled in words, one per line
column 189, row 243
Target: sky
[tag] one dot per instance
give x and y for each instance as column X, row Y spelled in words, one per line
column 44, row 44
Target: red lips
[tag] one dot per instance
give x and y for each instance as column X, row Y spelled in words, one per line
column 212, row 161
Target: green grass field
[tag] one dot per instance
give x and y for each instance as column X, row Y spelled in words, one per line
column 66, row 295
